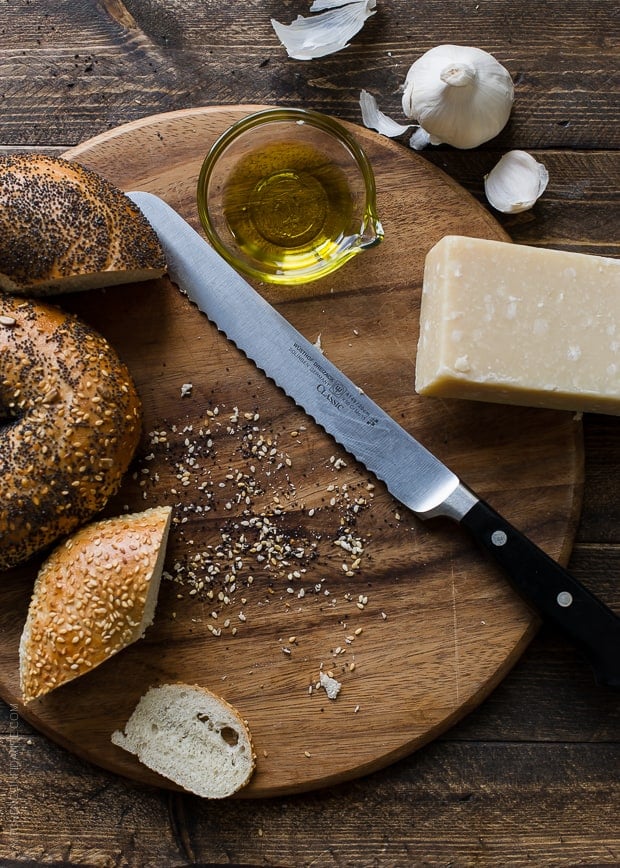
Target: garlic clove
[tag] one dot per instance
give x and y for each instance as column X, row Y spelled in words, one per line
column 327, row 32
column 460, row 95
column 375, row 119
column 516, row 182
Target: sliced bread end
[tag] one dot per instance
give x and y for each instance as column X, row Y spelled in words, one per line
column 192, row 737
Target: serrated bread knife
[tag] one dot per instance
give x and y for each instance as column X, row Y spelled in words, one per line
column 411, row 473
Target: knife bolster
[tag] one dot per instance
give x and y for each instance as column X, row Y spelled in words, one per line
column 455, row 506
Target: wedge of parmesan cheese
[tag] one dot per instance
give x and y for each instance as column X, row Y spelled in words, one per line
column 520, row 325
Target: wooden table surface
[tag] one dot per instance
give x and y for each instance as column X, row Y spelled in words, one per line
column 530, row 776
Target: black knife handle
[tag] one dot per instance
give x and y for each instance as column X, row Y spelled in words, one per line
column 557, row 595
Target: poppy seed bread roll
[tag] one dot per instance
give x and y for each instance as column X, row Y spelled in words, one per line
column 70, row 422
column 64, row 228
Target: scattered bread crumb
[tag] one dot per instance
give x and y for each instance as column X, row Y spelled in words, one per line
column 330, row 685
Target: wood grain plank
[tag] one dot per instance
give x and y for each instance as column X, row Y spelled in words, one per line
column 55, row 808
column 451, row 804
column 96, row 65
column 579, row 206
column 459, row 808
column 68, row 65
column 600, row 523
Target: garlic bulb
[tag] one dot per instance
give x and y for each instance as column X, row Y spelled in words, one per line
column 459, row 95
column 516, row 182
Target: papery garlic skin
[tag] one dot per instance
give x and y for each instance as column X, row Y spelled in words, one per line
column 460, row 95
column 421, row 138
column 375, row 119
column 326, row 33
column 516, row 182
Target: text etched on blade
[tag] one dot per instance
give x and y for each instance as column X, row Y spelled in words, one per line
column 332, row 389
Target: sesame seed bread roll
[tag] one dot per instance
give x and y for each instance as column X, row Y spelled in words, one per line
column 192, row 737
column 64, row 228
column 93, row 596
column 70, row 422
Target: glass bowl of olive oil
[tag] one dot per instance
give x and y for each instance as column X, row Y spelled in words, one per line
column 288, row 196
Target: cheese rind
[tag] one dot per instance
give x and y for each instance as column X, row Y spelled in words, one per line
column 514, row 324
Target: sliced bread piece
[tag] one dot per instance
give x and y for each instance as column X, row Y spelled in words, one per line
column 191, row 736
column 95, row 594
column 65, row 228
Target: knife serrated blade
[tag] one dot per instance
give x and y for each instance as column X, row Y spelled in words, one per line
column 411, row 473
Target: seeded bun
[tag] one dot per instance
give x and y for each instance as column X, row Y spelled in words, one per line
column 94, row 595
column 64, row 228
column 192, row 737
column 71, row 422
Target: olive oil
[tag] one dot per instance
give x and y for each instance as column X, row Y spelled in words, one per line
column 288, row 207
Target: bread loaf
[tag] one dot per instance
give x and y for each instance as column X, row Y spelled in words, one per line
column 191, row 736
column 64, row 228
column 93, row 596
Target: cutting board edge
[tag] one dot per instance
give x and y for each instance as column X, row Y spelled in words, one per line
column 143, row 776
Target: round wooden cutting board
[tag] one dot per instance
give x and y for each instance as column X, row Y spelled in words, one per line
column 287, row 559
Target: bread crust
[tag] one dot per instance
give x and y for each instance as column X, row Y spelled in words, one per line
column 70, row 422
column 94, row 595
column 64, row 228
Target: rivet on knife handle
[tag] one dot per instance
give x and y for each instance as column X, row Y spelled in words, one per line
column 557, row 595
